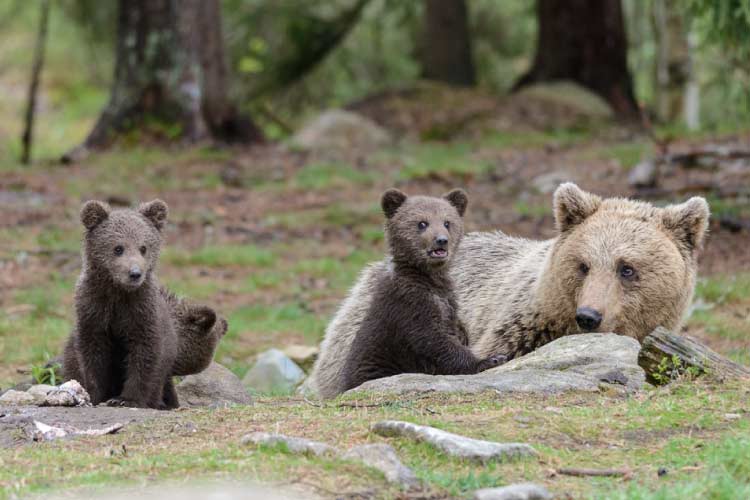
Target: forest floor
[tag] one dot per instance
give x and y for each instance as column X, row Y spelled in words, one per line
column 273, row 238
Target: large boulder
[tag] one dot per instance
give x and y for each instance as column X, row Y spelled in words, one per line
column 586, row 362
column 215, row 386
column 337, row 129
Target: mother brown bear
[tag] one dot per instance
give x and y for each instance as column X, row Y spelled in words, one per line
column 616, row 265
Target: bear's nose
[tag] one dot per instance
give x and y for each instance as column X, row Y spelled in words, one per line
column 588, row 319
column 441, row 241
column 135, row 274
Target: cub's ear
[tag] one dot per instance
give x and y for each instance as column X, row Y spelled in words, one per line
column 391, row 201
column 572, row 205
column 688, row 222
column 94, row 213
column 459, row 199
column 202, row 316
column 156, row 211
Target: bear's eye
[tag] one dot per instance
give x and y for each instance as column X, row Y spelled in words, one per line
column 119, row 250
column 422, row 225
column 447, row 224
column 143, row 250
column 627, row 272
column 583, row 268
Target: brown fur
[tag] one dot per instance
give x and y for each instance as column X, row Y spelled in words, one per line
column 199, row 331
column 412, row 325
column 124, row 343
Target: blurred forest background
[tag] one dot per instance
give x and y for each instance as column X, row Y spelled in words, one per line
column 271, row 127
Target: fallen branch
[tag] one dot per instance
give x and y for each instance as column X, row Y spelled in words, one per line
column 572, row 471
column 665, row 356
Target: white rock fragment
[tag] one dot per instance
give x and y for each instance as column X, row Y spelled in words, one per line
column 294, row 444
column 383, row 458
column 520, row 491
column 46, row 432
column 70, row 393
column 453, row 444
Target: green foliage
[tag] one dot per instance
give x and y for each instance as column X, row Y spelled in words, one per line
column 215, row 256
column 43, row 374
column 671, row 369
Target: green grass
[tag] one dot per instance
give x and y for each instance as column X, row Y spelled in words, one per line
column 430, row 159
column 724, row 289
column 560, row 137
column 330, row 175
column 219, row 256
column 525, row 209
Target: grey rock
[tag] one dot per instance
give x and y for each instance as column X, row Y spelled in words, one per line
column 520, row 491
column 71, row 393
column 294, row 444
column 17, row 398
column 340, row 130
column 585, row 362
column 40, row 392
column 274, row 372
column 577, row 98
column 643, row 175
column 303, row 355
column 215, row 386
column 383, row 458
column 453, row 444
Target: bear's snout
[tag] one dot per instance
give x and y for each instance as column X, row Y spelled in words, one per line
column 588, row 319
column 135, row 273
column 441, row 240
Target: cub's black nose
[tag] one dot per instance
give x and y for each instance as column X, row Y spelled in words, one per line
column 588, row 319
column 135, row 274
column 441, row 241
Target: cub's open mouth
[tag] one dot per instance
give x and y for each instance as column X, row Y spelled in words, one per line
column 438, row 253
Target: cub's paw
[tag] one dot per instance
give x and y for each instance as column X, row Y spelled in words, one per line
column 492, row 361
column 123, row 403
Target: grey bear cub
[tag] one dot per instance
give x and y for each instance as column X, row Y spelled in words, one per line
column 124, row 343
column 412, row 325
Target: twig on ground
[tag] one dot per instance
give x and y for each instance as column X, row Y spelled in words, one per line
column 574, row 471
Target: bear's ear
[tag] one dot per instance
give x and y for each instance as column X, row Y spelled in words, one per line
column 202, row 316
column 688, row 221
column 93, row 213
column 156, row 211
column 459, row 199
column 572, row 205
column 391, row 201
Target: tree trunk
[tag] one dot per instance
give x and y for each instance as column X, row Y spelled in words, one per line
column 584, row 41
column 446, row 48
column 170, row 76
column 36, row 71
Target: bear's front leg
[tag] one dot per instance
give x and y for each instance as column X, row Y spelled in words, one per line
column 93, row 353
column 142, row 372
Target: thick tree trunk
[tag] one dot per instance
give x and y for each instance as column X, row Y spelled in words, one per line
column 446, row 48
column 170, row 70
column 584, row 41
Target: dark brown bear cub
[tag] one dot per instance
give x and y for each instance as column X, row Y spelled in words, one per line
column 412, row 325
column 124, row 343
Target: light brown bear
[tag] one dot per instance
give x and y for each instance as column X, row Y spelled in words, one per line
column 616, row 265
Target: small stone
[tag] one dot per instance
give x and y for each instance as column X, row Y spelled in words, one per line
column 17, row 398
column 303, row 355
column 520, row 491
column 215, row 387
column 295, row 445
column 40, row 392
column 643, row 175
column 732, row 416
column 547, row 183
column 338, row 129
column 662, row 472
column 453, row 444
column 274, row 372
column 383, row 458
column 71, row 393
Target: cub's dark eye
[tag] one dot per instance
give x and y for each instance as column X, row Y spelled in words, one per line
column 423, row 225
column 627, row 272
column 447, row 224
column 583, row 268
column 119, row 250
column 143, row 250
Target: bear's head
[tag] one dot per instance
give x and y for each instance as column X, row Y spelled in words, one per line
column 423, row 231
column 623, row 266
column 123, row 246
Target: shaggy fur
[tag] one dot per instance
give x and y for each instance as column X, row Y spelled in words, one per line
column 124, row 342
column 515, row 295
column 199, row 331
column 412, row 323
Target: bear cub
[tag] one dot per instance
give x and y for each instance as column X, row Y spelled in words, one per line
column 412, row 325
column 124, row 342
